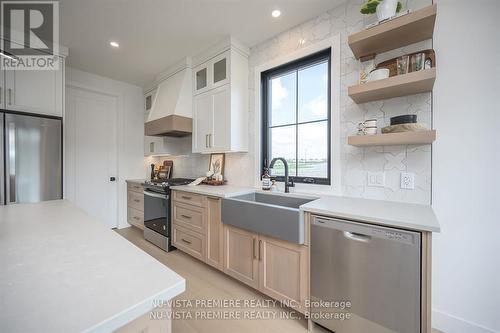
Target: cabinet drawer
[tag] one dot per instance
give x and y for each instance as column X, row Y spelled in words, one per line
column 135, row 187
column 135, row 217
column 189, row 198
column 135, row 200
column 188, row 241
column 188, row 216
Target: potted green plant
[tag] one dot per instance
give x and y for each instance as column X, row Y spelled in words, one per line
column 385, row 9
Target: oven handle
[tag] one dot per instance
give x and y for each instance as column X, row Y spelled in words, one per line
column 155, row 195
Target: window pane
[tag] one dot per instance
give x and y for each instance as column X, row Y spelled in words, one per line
column 282, row 98
column 313, row 150
column 282, row 144
column 313, row 92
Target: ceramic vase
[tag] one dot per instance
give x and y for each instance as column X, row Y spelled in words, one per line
column 386, row 9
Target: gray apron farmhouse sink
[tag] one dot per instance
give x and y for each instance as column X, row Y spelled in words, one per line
column 274, row 215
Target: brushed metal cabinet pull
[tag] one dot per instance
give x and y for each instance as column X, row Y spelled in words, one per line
column 136, row 218
column 1, row 94
column 260, row 245
column 253, row 249
column 10, row 95
column 185, row 241
column 210, row 140
column 186, row 216
column 185, row 197
column 206, row 140
column 136, row 200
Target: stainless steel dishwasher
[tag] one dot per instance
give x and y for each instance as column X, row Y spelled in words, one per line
column 364, row 278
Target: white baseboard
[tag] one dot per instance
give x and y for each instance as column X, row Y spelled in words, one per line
column 450, row 324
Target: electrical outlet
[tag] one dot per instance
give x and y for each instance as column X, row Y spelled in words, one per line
column 408, row 180
column 375, row 179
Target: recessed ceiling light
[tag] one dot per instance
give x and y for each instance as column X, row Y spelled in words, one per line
column 114, row 44
column 276, row 13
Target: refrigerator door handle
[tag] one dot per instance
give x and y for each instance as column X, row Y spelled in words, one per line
column 11, row 164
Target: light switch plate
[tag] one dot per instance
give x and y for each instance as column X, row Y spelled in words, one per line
column 408, row 180
column 375, row 179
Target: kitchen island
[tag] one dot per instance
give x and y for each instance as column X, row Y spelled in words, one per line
column 64, row 271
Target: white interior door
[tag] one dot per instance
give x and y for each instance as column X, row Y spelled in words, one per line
column 91, row 153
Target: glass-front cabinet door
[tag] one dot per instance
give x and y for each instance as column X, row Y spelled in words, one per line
column 220, row 70
column 201, row 78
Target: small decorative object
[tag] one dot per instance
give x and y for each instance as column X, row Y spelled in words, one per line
column 266, row 180
column 216, row 165
column 409, row 127
column 153, row 174
column 378, row 74
column 385, row 9
column 403, row 64
column 363, row 77
column 391, row 64
column 274, row 188
column 418, row 62
column 428, row 63
column 368, row 127
column 209, row 175
column 366, row 68
column 404, row 119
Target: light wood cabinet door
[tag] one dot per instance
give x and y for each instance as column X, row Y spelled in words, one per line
column 240, row 255
column 35, row 91
column 283, row 270
column 215, row 233
column 188, row 241
column 188, row 216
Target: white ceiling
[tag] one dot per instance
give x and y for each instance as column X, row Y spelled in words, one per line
column 154, row 34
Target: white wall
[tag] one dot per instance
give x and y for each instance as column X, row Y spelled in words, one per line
column 466, row 162
column 130, row 130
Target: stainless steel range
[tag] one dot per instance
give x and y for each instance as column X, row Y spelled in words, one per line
column 157, row 218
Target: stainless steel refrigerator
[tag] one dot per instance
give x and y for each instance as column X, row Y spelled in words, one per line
column 31, row 158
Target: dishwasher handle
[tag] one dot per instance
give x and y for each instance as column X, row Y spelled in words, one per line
column 357, row 237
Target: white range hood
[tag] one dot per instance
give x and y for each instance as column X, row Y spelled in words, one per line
column 171, row 112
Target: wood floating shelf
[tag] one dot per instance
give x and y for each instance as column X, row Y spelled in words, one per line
column 401, row 31
column 394, row 86
column 393, row 139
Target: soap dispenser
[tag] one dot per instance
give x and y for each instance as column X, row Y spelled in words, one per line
column 266, row 180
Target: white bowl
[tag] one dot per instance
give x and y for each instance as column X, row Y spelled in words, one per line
column 378, row 74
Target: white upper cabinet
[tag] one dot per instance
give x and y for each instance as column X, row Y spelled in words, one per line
column 34, row 91
column 221, row 100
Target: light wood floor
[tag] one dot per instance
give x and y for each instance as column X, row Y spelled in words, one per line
column 206, row 283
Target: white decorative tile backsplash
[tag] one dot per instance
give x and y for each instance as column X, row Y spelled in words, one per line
column 355, row 162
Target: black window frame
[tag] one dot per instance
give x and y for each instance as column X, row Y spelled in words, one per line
column 295, row 66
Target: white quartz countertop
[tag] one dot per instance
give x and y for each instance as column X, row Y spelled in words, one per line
column 222, row 191
column 63, row 271
column 386, row 213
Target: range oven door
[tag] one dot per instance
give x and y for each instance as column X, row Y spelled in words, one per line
column 157, row 212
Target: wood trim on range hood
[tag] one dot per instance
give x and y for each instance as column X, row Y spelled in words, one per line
column 172, row 125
